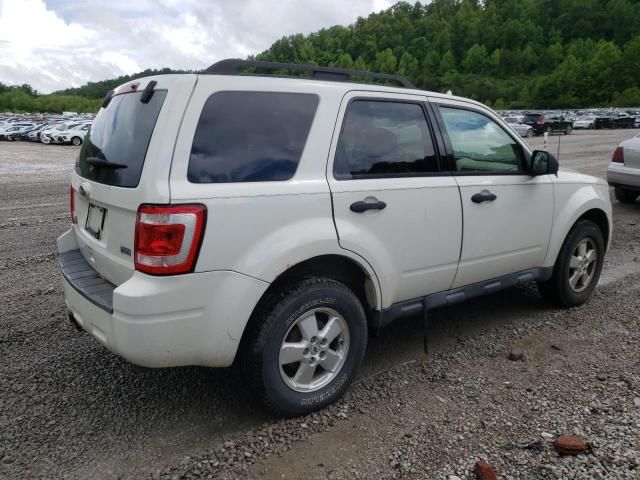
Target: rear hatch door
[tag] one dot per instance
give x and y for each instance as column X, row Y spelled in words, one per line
column 125, row 161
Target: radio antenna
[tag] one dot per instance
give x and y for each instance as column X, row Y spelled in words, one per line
column 560, row 136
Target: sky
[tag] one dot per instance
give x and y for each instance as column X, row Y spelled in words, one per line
column 56, row 44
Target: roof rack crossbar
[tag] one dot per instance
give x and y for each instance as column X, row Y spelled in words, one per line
column 232, row 66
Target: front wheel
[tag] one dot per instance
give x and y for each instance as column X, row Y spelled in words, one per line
column 530, row 133
column 568, row 130
column 76, row 141
column 577, row 267
column 626, row 196
column 305, row 345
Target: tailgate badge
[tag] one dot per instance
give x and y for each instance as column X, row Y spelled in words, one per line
column 85, row 190
column 125, row 250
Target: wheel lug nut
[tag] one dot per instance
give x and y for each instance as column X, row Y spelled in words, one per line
column 314, row 339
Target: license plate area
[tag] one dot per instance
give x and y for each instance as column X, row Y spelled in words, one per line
column 95, row 221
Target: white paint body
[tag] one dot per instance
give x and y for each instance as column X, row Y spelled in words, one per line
column 429, row 239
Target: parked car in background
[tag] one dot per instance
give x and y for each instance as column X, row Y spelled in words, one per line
column 547, row 122
column 16, row 130
column 584, row 122
column 51, row 134
column 73, row 134
column 520, row 128
column 636, row 121
column 624, row 170
column 613, row 120
column 34, row 135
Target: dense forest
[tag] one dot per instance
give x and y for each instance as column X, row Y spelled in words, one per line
column 506, row 53
column 23, row 98
column 87, row 98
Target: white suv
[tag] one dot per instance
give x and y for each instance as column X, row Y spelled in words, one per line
column 272, row 220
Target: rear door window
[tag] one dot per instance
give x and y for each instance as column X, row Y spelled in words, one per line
column 384, row 139
column 250, row 137
column 120, row 135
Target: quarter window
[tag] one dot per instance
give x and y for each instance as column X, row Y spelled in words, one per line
column 384, row 139
column 480, row 144
column 250, row 136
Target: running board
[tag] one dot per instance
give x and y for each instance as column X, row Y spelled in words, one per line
column 419, row 306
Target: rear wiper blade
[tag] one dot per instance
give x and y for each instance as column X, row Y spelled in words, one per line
column 101, row 162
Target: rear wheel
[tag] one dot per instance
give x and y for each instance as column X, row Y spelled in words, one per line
column 530, row 133
column 568, row 130
column 305, row 346
column 626, row 196
column 577, row 268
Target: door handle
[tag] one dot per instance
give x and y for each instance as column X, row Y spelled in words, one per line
column 360, row 207
column 483, row 196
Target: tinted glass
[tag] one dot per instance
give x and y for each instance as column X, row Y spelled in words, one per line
column 120, row 134
column 532, row 117
column 250, row 136
column 384, row 139
column 479, row 144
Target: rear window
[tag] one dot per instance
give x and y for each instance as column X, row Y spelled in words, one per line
column 531, row 117
column 120, row 134
column 250, row 136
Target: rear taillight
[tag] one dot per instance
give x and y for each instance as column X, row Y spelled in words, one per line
column 540, row 122
column 168, row 238
column 72, row 203
column 618, row 155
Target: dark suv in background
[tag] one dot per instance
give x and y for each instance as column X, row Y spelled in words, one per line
column 613, row 120
column 547, row 122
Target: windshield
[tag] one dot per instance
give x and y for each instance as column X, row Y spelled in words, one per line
column 120, row 134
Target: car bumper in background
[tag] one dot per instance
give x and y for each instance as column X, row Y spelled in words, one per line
column 192, row 319
column 620, row 176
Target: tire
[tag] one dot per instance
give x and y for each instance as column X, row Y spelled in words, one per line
column 284, row 317
column 530, row 133
column 568, row 130
column 549, row 130
column 559, row 288
column 626, row 196
column 77, row 141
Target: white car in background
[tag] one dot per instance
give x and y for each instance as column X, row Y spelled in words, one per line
column 73, row 134
column 54, row 131
column 584, row 122
column 13, row 131
column 624, row 170
column 519, row 127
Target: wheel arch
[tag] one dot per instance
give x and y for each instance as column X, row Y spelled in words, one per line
column 359, row 277
column 592, row 211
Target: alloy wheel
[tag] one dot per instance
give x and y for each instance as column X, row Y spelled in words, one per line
column 582, row 265
column 314, row 350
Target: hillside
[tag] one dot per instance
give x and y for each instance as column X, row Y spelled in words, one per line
column 100, row 89
column 506, row 53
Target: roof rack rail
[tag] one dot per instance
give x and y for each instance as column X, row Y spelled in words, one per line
column 232, row 66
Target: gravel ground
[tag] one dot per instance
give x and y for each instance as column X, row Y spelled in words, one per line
column 71, row 409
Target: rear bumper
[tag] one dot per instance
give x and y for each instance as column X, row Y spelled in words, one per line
column 193, row 319
column 620, row 176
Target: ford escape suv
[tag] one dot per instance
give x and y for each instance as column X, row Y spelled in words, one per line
column 271, row 220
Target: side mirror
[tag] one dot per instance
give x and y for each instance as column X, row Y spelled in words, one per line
column 543, row 163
